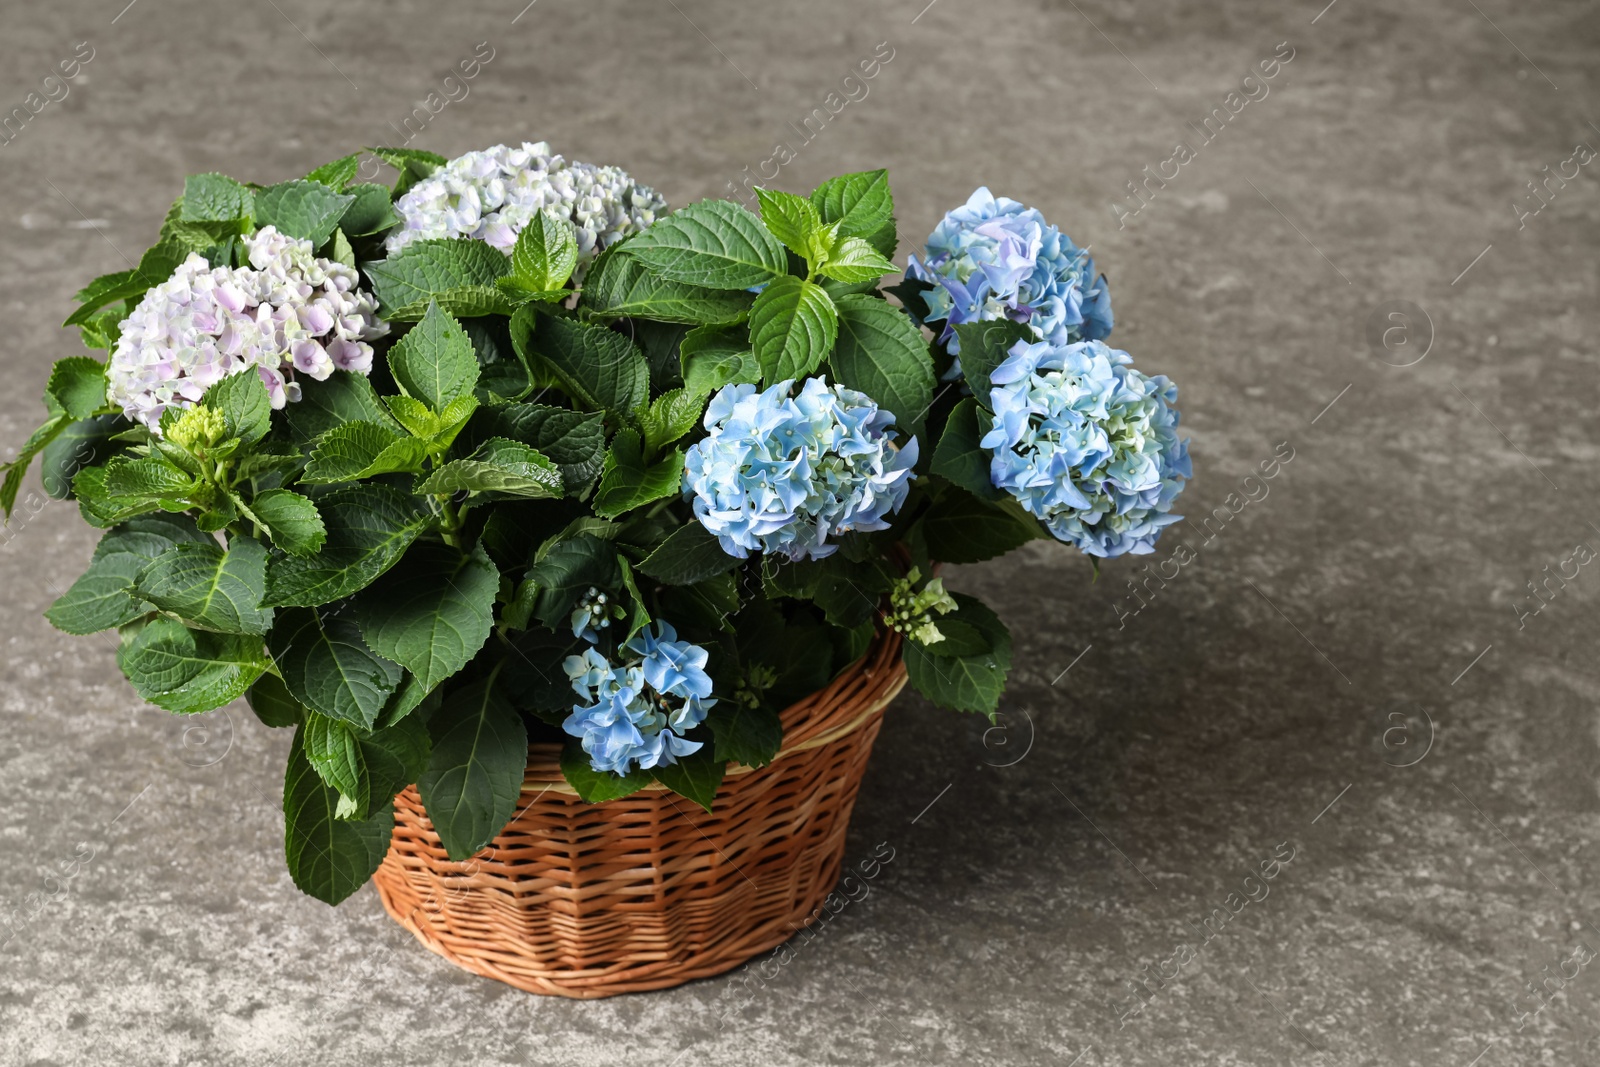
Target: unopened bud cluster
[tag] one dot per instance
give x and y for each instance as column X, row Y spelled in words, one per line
column 911, row 611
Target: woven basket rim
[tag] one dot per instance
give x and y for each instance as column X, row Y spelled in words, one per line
column 803, row 729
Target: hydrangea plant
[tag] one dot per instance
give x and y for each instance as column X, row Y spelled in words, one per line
column 389, row 463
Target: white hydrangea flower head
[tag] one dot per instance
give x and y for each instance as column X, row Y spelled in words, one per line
column 287, row 313
column 493, row 194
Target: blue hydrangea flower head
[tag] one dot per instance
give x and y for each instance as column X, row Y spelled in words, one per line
column 783, row 472
column 993, row 258
column 635, row 714
column 1087, row 444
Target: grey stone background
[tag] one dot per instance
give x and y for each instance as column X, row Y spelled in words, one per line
column 1266, row 698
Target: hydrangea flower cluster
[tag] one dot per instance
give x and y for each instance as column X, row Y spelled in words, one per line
column 494, row 193
column 288, row 312
column 1088, row 444
column 635, row 714
column 993, row 258
column 781, row 473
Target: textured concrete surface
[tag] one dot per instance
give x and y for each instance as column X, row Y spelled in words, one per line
column 1265, row 702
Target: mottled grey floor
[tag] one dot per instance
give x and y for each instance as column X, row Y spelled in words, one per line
column 1265, row 699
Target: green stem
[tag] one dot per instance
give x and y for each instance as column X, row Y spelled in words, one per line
column 449, row 522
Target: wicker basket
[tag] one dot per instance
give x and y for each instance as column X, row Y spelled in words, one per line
column 590, row 900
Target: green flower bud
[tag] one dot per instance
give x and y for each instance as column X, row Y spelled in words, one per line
column 198, row 428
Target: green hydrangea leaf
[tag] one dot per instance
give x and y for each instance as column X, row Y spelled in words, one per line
column 712, row 357
column 369, row 527
column 272, row 703
column 335, row 175
column 791, row 219
column 670, row 416
column 408, row 742
column 458, row 274
column 969, row 682
column 146, row 478
column 104, row 597
column 80, row 444
column 862, row 205
column 433, row 613
column 546, row 252
column 97, row 507
column 78, row 386
column 638, row 611
column 714, row 243
column 329, row 668
column 307, row 210
column 439, row 430
column 435, row 361
column 984, row 346
column 243, row 401
column 517, row 293
column 708, row 604
column 882, row 354
column 340, row 251
column 743, row 733
column 799, row 652
column 599, row 368
column 474, row 775
column 690, row 554
column 410, row 697
column 499, row 466
column 334, row 751
column 371, row 212
column 189, row 671
column 597, row 787
column 365, row 769
column 123, row 285
column 847, row 592
column 959, row 457
column 695, row 776
column 854, row 260
column 216, row 198
column 424, row 161
column 960, row 528
column 628, row 481
column 290, row 520
column 344, row 397
column 328, row 857
column 793, row 325
column 565, row 572
column 102, row 329
column 622, row 286
column 574, row 441
column 910, row 292
column 414, row 164
column 210, row 588
column 659, row 341
column 361, row 450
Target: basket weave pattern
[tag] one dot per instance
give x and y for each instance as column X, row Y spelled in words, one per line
column 590, row 900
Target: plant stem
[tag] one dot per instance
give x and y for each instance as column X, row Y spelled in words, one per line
column 449, row 522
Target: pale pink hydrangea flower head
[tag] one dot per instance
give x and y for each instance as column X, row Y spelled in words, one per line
column 288, row 313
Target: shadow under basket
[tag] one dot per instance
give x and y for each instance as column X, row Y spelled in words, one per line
column 650, row 891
